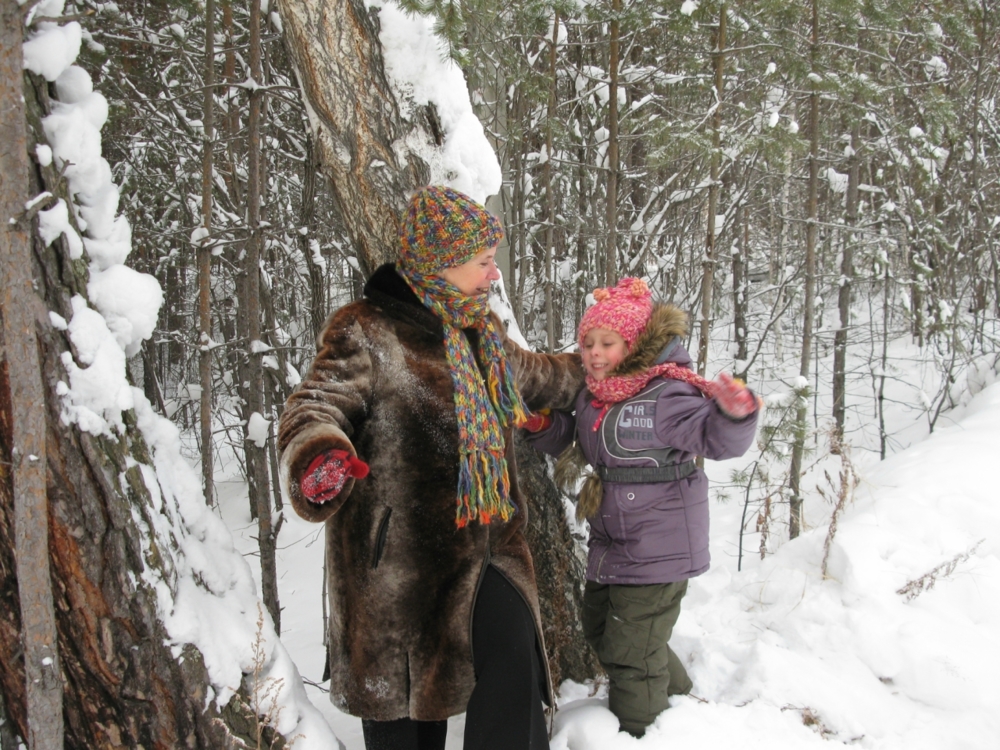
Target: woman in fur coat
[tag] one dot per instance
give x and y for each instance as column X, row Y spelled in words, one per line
column 399, row 439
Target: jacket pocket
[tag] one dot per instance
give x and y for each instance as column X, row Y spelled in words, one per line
column 383, row 532
column 653, row 523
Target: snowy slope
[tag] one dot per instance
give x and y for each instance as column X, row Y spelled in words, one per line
column 777, row 647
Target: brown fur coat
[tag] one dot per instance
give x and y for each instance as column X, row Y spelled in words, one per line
column 402, row 577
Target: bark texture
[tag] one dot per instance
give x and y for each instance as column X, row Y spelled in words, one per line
column 21, row 314
column 123, row 686
column 560, row 562
column 358, row 129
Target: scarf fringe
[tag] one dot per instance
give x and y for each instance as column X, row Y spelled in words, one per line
column 483, row 489
column 504, row 393
column 484, row 406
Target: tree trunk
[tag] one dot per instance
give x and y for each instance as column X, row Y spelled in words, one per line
column 518, row 246
column 708, row 265
column 257, row 474
column 801, row 414
column 22, row 423
column 560, row 563
column 205, row 261
column 123, row 686
column 741, row 289
column 317, row 274
column 611, row 249
column 355, row 120
column 550, row 203
column 846, row 284
column 338, row 56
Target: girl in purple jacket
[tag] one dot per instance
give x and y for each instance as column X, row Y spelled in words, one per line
column 639, row 424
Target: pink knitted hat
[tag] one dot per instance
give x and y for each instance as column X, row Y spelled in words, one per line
column 624, row 309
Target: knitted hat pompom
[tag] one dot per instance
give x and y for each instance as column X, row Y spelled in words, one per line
column 624, row 309
column 442, row 228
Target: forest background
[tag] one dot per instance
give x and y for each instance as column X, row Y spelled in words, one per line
column 814, row 182
column 811, row 181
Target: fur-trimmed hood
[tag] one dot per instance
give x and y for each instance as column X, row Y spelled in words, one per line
column 658, row 341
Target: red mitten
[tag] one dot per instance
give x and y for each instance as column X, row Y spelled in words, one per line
column 327, row 473
column 733, row 396
column 537, row 421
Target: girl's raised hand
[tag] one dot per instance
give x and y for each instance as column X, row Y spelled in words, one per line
column 733, row 396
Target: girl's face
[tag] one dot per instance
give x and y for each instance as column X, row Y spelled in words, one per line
column 603, row 350
column 474, row 276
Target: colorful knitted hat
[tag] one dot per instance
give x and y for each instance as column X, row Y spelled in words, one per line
column 443, row 228
column 624, row 309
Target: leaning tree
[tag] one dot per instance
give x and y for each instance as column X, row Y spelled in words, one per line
column 105, row 542
column 358, row 120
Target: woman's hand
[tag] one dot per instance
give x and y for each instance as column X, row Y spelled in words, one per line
column 733, row 397
column 537, row 421
column 328, row 472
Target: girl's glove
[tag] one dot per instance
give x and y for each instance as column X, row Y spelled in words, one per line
column 327, row 473
column 537, row 421
column 733, row 396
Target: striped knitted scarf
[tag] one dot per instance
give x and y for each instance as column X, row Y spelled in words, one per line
column 483, row 409
column 615, row 388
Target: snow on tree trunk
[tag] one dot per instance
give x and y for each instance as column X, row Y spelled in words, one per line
column 846, row 285
column 256, row 456
column 801, row 413
column 123, row 684
column 355, row 119
column 205, row 262
column 162, row 640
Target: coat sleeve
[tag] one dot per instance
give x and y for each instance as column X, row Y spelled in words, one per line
column 325, row 409
column 546, row 381
column 689, row 422
column 557, row 437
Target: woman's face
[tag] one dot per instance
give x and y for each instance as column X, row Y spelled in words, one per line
column 474, row 276
column 603, row 350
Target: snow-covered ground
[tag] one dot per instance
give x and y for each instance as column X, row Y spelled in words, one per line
column 780, row 656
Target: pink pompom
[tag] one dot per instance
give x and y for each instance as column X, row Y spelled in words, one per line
column 638, row 288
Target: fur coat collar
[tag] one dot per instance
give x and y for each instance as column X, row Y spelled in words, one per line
column 658, row 341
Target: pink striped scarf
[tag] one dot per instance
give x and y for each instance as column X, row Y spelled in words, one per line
column 615, row 388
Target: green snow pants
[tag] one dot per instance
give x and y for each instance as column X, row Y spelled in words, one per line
column 628, row 627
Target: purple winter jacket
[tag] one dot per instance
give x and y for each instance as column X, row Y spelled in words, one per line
column 657, row 532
